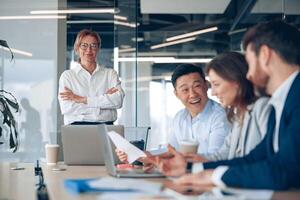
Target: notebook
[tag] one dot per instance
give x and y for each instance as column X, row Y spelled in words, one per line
column 110, row 163
column 82, row 145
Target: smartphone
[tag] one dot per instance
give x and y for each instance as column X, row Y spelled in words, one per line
column 159, row 151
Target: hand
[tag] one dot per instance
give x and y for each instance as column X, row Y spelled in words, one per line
column 184, row 189
column 111, row 90
column 68, row 95
column 122, row 156
column 172, row 163
column 198, row 181
column 192, row 157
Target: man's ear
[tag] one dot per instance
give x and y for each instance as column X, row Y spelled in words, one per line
column 207, row 85
column 175, row 92
column 264, row 57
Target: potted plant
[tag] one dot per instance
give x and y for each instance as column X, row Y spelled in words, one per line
column 8, row 103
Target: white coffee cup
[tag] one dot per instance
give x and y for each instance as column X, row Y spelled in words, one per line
column 51, row 153
column 187, row 146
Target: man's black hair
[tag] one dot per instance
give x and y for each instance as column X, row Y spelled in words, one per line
column 185, row 69
column 280, row 36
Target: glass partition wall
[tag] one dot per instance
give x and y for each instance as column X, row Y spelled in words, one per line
column 142, row 40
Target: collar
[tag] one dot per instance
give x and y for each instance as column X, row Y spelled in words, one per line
column 280, row 94
column 203, row 113
column 77, row 67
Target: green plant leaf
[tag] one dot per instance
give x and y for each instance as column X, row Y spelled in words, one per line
column 4, row 44
column 12, row 104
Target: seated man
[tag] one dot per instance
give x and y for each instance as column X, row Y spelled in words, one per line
column 273, row 54
column 202, row 119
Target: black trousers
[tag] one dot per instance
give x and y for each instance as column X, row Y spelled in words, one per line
column 92, row 123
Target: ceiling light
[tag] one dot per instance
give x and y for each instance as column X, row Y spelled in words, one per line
column 127, row 50
column 137, row 39
column 187, row 60
column 144, row 59
column 33, row 17
column 192, row 33
column 75, row 11
column 25, row 53
column 172, row 43
column 119, row 17
column 90, row 22
column 132, row 25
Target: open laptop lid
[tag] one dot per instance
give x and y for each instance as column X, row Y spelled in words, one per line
column 82, row 146
column 106, row 146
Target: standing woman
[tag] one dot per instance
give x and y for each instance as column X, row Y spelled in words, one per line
column 88, row 92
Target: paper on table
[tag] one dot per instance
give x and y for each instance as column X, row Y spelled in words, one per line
column 136, row 185
column 132, row 152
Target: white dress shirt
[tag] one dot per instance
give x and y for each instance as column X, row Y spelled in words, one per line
column 209, row 128
column 100, row 107
column 277, row 100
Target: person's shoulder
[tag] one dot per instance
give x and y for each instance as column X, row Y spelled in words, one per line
column 180, row 114
column 107, row 70
column 69, row 73
column 216, row 107
column 261, row 103
column 261, row 109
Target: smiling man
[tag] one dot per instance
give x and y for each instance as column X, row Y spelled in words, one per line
column 202, row 119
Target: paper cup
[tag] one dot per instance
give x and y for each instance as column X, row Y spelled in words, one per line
column 186, row 146
column 51, row 153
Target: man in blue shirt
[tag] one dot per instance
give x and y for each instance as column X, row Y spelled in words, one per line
column 202, row 120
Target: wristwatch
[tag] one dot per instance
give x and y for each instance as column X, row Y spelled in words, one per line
column 188, row 168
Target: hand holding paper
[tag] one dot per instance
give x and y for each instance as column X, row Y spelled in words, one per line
column 133, row 152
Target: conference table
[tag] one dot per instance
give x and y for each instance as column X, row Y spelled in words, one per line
column 18, row 181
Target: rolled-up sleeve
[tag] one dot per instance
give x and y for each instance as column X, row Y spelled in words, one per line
column 70, row 107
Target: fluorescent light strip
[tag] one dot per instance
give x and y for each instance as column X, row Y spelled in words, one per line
column 119, row 17
column 75, row 11
column 125, row 24
column 101, row 22
column 25, row 53
column 90, row 22
column 172, row 43
column 192, row 33
column 33, row 17
column 116, row 63
column 191, row 60
column 144, row 59
column 127, row 50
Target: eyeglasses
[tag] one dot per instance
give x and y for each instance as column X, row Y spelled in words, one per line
column 85, row 46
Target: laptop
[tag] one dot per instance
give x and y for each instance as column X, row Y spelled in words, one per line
column 82, row 146
column 110, row 164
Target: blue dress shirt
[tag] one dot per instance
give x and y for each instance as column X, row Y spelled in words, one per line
column 209, row 128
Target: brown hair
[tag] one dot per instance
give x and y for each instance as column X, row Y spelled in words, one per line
column 82, row 34
column 232, row 66
column 277, row 35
